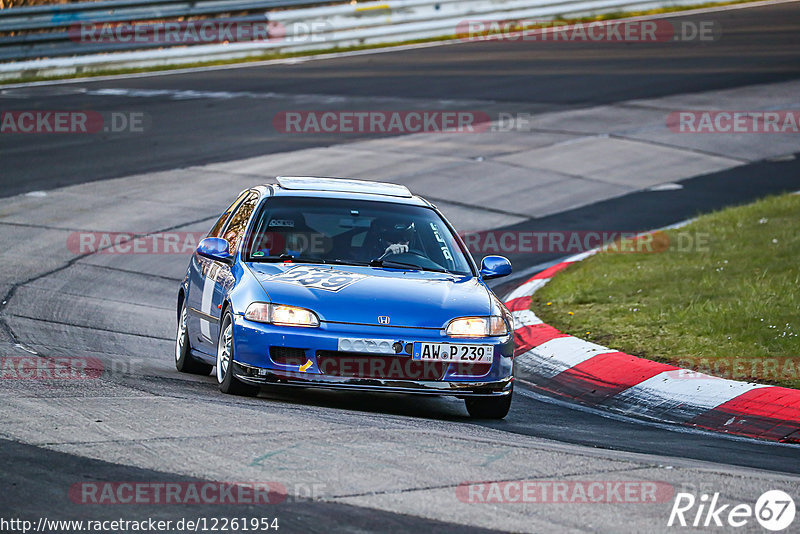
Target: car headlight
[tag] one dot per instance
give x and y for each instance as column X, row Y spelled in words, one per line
column 477, row 327
column 279, row 314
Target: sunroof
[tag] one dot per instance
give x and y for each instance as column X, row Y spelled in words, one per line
column 313, row 183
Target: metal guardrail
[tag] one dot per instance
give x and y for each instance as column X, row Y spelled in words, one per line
column 35, row 21
column 63, row 15
column 63, row 43
column 79, row 6
column 332, row 26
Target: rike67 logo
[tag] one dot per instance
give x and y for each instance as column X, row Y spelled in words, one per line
column 774, row 510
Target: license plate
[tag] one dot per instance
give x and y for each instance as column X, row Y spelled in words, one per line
column 450, row 352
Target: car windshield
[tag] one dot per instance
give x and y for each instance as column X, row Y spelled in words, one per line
column 354, row 232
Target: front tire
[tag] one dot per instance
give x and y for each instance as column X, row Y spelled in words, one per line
column 184, row 362
column 227, row 382
column 488, row 407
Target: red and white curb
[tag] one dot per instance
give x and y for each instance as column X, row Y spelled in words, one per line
column 568, row 367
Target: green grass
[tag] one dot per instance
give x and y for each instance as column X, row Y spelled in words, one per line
column 729, row 305
column 270, row 55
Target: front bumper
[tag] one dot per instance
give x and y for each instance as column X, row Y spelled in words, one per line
column 500, row 388
column 254, row 364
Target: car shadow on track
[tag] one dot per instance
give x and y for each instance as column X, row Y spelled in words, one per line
column 439, row 408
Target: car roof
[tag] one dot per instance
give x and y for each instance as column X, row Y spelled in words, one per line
column 347, row 188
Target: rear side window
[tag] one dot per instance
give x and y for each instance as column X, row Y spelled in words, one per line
column 238, row 221
column 220, row 224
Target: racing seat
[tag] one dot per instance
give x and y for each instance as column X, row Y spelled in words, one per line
column 285, row 233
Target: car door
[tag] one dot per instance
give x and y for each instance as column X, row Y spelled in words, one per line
column 210, row 280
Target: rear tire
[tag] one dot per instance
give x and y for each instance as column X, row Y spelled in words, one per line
column 184, row 362
column 227, row 382
column 488, row 407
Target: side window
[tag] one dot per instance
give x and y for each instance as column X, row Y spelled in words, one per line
column 215, row 231
column 235, row 230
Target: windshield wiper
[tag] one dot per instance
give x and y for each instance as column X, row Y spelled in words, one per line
column 349, row 262
column 286, row 257
column 377, row 262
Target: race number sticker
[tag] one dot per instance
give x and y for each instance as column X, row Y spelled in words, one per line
column 442, row 243
column 318, row 278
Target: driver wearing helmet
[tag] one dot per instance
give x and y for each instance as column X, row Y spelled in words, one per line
column 393, row 237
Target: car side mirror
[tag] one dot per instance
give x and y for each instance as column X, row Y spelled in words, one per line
column 495, row 267
column 215, row 248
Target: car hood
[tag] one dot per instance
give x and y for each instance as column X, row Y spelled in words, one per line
column 354, row 294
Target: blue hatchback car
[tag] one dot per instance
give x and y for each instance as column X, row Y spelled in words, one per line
column 346, row 284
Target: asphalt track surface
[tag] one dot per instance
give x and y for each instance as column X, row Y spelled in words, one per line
column 758, row 45
column 761, row 45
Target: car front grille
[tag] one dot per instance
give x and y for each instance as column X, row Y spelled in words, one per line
column 471, row 369
column 287, row 355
